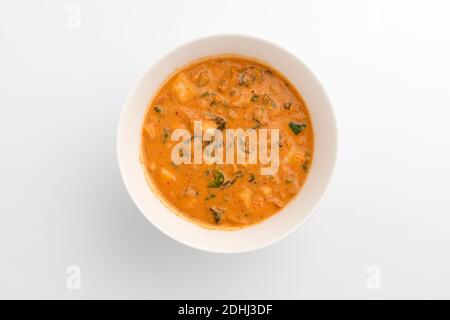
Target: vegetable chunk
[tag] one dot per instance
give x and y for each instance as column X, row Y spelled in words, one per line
column 184, row 89
column 246, row 197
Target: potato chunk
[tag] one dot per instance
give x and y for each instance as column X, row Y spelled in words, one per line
column 208, row 125
column 149, row 130
column 167, row 175
column 183, row 88
column 246, row 197
column 202, row 79
column 276, row 201
column 294, row 157
column 152, row 166
column 265, row 190
column 190, row 191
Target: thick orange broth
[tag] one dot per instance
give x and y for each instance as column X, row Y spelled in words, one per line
column 227, row 92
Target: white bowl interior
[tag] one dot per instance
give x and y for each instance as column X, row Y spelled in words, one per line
column 270, row 230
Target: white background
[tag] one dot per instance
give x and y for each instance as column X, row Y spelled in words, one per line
column 386, row 67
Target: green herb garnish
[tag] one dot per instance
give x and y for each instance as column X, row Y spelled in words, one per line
column 218, row 179
column 297, row 127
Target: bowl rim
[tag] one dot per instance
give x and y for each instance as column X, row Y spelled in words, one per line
column 269, row 43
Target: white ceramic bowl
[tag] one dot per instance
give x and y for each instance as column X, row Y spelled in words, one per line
column 277, row 226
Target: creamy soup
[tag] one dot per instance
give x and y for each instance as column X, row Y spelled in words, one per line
column 224, row 93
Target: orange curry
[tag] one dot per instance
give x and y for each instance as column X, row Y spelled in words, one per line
column 227, row 92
